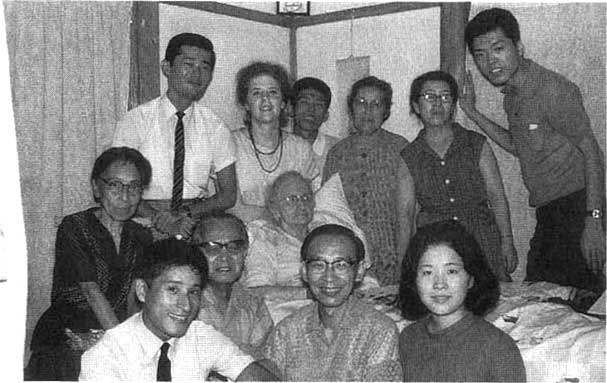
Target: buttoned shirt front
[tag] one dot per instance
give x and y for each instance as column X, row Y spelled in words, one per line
column 547, row 119
column 364, row 346
column 130, row 351
column 209, row 147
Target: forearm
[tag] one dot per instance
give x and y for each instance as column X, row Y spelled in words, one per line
column 594, row 174
column 497, row 133
column 219, row 201
column 99, row 304
column 501, row 209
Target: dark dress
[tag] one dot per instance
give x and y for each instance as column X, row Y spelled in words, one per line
column 368, row 168
column 454, row 188
column 84, row 252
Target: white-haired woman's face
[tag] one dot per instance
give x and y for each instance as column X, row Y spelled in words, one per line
column 368, row 110
column 294, row 202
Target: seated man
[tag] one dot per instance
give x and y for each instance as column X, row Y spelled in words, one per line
column 338, row 337
column 162, row 341
column 226, row 304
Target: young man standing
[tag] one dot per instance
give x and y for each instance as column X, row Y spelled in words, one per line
column 184, row 140
column 163, row 342
column 312, row 98
column 549, row 131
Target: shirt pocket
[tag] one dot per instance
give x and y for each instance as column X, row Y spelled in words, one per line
column 536, row 136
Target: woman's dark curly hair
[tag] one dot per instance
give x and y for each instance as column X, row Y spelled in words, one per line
column 260, row 68
column 481, row 297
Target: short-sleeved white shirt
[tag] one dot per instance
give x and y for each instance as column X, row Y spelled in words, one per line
column 130, row 352
column 150, row 128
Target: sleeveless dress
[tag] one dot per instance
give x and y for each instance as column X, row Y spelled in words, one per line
column 453, row 188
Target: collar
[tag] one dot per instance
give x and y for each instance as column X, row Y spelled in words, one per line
column 343, row 319
column 526, row 80
column 150, row 343
column 168, row 110
column 454, row 330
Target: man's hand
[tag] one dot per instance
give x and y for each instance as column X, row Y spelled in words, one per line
column 593, row 245
column 467, row 95
column 174, row 224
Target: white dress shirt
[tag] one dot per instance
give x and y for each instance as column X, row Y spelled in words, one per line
column 150, row 128
column 130, row 351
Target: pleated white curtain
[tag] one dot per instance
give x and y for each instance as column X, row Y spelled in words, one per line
column 69, row 66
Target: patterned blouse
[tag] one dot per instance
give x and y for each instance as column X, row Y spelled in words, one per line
column 364, row 347
column 368, row 169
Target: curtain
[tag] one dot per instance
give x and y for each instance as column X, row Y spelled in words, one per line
column 69, row 68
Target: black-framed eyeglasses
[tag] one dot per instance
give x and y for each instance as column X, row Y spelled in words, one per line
column 432, row 98
column 116, row 186
column 319, row 266
column 234, row 247
column 298, row 198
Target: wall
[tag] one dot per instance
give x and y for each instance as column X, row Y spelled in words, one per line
column 566, row 38
column 398, row 46
column 236, row 42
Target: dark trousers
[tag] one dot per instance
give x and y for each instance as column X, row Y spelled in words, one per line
column 555, row 254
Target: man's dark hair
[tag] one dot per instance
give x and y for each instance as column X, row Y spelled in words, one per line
column 333, row 230
column 312, row 83
column 484, row 293
column 167, row 253
column 490, row 20
column 189, row 39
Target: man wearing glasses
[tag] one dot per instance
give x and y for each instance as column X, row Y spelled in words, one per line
column 226, row 304
column 338, row 337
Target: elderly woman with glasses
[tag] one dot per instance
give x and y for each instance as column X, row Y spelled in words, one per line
column 451, row 173
column 264, row 149
column 95, row 252
column 367, row 164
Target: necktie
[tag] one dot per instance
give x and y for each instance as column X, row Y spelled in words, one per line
column 163, row 374
column 178, row 163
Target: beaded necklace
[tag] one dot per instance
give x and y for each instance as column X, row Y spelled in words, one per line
column 258, row 152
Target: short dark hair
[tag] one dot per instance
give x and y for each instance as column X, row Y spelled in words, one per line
column 489, row 20
column 372, row 82
column 437, row 75
column 167, row 253
column 220, row 215
column 333, row 229
column 259, row 68
column 122, row 154
column 312, row 83
column 484, row 293
column 189, row 39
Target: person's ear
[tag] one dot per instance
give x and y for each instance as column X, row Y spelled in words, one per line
column 415, row 107
column 520, row 49
column 165, row 66
column 302, row 271
column 360, row 272
column 470, row 282
column 141, row 289
column 96, row 190
column 326, row 116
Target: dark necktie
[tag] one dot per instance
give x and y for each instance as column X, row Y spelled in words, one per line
column 178, row 164
column 163, row 374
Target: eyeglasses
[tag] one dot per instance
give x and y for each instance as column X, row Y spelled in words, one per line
column 432, row 98
column 298, row 198
column 117, row 187
column 234, row 247
column 318, row 266
column 373, row 104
